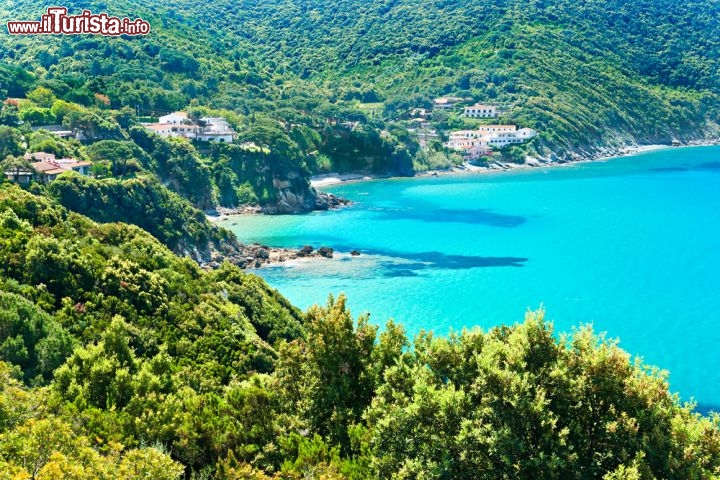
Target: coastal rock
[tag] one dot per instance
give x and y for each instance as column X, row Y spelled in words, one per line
column 305, row 251
column 291, row 199
column 326, row 252
column 355, row 253
column 327, row 201
column 284, row 207
column 280, row 184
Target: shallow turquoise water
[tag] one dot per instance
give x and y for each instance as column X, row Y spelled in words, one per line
column 630, row 245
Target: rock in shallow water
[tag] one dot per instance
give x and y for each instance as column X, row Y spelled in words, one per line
column 305, row 251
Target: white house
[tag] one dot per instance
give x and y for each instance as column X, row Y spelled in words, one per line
column 420, row 112
column 213, row 129
column 216, row 129
column 507, row 138
column 480, row 111
column 175, row 118
column 75, row 165
column 489, row 135
column 503, row 139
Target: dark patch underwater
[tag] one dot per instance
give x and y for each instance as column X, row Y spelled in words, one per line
column 473, row 217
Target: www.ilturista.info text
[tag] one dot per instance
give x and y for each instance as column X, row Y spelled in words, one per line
column 57, row 21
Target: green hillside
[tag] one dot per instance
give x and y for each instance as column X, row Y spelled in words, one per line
column 585, row 75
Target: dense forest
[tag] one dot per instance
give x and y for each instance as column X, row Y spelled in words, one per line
column 121, row 360
column 121, row 357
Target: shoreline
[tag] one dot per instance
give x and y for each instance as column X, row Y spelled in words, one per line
column 334, row 178
column 254, row 256
column 331, row 179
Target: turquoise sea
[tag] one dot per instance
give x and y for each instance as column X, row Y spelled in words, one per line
column 631, row 245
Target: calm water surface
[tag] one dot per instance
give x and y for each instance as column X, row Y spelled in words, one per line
column 630, row 245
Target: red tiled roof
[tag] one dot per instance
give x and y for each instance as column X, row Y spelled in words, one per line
column 80, row 164
column 159, row 126
column 42, row 156
column 54, row 168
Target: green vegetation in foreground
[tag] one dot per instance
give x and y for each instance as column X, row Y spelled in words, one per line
column 119, row 359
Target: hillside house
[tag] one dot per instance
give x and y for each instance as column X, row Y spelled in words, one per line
column 45, row 168
column 446, row 103
column 216, row 129
column 480, row 111
column 209, row 129
column 461, row 139
column 175, row 118
column 489, row 136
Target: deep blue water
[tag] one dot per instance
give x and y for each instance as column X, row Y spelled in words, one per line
column 631, row 245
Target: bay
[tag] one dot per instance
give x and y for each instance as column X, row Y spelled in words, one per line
column 630, row 245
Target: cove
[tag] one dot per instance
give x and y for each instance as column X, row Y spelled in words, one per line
column 631, row 245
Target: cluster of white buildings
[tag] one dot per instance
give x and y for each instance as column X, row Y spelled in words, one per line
column 481, row 140
column 208, row 129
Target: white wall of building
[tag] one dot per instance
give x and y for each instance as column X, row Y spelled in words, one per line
column 480, row 111
column 175, row 118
